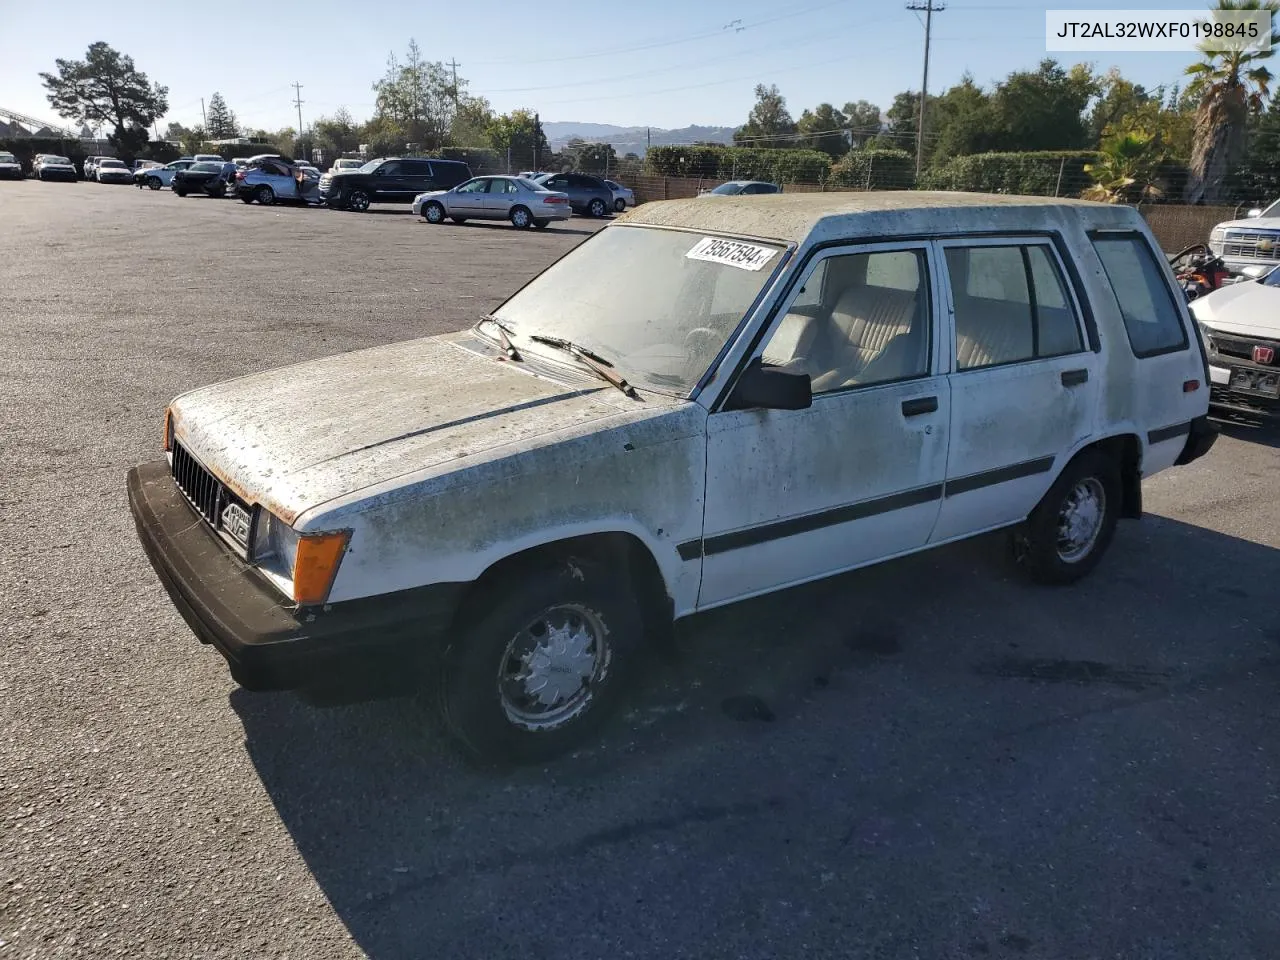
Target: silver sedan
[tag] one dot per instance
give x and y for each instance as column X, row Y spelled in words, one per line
column 523, row 202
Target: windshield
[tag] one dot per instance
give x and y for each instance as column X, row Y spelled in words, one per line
column 371, row 166
column 206, row 168
column 111, row 163
column 55, row 161
column 658, row 304
column 530, row 185
column 1271, row 210
column 7, row 158
column 727, row 189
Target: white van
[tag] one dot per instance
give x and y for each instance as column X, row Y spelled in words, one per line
column 699, row 404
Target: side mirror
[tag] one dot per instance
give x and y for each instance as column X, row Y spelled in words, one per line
column 1255, row 212
column 770, row 388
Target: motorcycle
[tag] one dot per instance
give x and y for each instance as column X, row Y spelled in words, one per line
column 1199, row 271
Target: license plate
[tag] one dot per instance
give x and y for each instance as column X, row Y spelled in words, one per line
column 235, row 520
column 1255, row 381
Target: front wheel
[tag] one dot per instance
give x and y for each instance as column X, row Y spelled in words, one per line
column 179, row 191
column 264, row 195
column 246, row 198
column 542, row 224
column 433, row 213
column 521, row 218
column 596, row 208
column 619, row 205
column 154, row 183
column 541, row 663
column 1072, row 526
column 358, row 200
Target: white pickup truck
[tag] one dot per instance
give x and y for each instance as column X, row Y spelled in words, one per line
column 1250, row 248
column 703, row 402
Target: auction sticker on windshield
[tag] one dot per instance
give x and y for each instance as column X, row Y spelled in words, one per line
column 735, row 253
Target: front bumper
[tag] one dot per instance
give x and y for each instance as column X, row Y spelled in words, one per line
column 268, row 642
column 69, row 175
column 1224, row 397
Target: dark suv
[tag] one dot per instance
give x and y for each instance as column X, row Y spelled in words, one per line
column 390, row 180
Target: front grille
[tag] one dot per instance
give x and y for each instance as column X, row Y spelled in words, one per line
column 1240, row 347
column 1245, row 246
column 205, row 491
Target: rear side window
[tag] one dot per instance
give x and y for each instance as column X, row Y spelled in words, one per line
column 1146, row 303
column 415, row 168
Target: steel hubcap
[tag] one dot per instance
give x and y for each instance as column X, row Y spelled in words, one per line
column 1080, row 519
column 550, row 668
column 435, row 214
column 521, row 218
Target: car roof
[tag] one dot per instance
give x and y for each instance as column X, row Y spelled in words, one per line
column 794, row 217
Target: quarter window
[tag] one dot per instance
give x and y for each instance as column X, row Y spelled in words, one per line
column 1011, row 305
column 857, row 320
column 1150, row 317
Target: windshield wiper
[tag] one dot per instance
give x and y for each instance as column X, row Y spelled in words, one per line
column 507, row 347
column 593, row 360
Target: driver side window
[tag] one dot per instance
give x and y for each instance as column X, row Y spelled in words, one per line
column 857, row 320
column 475, row 186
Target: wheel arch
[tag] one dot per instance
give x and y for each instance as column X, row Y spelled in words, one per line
column 1125, row 449
column 616, row 550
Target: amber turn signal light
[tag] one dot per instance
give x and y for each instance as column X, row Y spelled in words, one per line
column 316, row 565
column 1190, row 386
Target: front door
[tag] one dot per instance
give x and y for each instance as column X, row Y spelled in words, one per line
column 469, row 199
column 1024, row 383
column 857, row 477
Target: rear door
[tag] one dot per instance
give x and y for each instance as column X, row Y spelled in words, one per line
column 1024, row 383
column 1169, row 387
column 500, row 198
column 418, row 178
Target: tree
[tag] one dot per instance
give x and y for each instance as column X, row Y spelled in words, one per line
column 1259, row 175
column 417, row 97
column 1126, row 172
column 903, row 120
column 1230, row 85
column 589, row 157
column 106, row 88
column 964, row 122
column 768, row 125
column 1117, row 99
column 1043, row 109
column 823, row 129
column 338, row 133
column 175, row 131
column 516, row 132
column 220, row 122
column 470, row 126
column 863, row 119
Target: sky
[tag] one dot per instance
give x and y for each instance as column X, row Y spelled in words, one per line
column 661, row 63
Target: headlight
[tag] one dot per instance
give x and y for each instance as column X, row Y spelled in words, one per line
column 1216, row 238
column 309, row 560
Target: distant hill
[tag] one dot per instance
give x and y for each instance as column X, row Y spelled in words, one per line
column 632, row 139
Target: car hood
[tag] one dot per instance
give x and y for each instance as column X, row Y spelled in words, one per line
column 1247, row 308
column 297, row 437
column 1252, row 223
column 431, row 193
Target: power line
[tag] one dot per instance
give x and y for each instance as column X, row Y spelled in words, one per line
column 929, row 9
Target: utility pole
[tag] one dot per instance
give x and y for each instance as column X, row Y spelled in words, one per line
column 648, row 139
column 297, row 102
column 203, row 118
column 930, row 8
column 453, row 65
column 537, row 144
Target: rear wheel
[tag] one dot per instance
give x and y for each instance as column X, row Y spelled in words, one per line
column 619, row 205
column 1072, row 526
column 358, row 200
column 597, row 208
column 154, row 183
column 264, row 195
column 521, row 218
column 539, row 665
column 541, row 224
column 433, row 213
column 180, row 191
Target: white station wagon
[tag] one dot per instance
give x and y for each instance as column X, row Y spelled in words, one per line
column 699, row 404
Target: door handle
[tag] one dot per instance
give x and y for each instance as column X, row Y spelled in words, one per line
column 1073, row 378
column 919, row 405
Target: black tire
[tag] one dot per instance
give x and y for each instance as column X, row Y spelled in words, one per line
column 264, row 195
column 217, row 192
column 458, row 220
column 153, row 183
column 619, row 205
column 246, row 198
column 433, row 213
column 521, row 218
column 180, row 191
column 542, row 224
column 1044, row 545
column 597, row 208
column 358, row 200
column 525, row 607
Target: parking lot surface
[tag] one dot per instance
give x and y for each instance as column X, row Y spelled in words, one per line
column 929, row 758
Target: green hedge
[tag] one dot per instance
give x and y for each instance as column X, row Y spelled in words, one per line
column 738, row 163
column 26, row 148
column 1043, row 173
column 875, row 170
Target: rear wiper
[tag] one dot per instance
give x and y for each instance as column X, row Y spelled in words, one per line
column 507, row 347
column 593, row 360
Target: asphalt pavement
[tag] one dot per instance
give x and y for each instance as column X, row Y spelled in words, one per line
column 929, row 758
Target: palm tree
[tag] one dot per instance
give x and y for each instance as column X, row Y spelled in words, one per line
column 1230, row 85
column 1126, row 170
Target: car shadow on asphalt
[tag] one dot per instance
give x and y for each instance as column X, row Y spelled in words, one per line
column 503, row 225
column 1260, row 428
column 906, row 669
